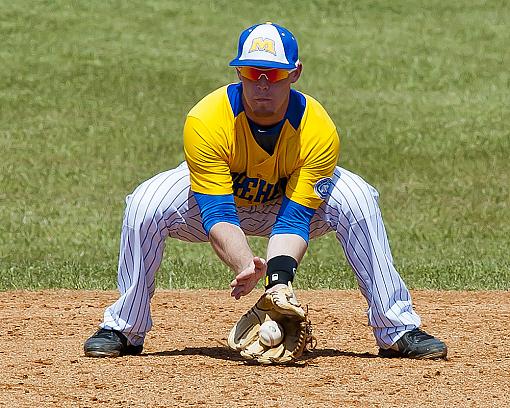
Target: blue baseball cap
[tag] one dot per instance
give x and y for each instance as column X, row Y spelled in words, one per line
column 267, row 45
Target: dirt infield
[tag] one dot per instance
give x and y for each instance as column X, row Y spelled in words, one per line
column 185, row 364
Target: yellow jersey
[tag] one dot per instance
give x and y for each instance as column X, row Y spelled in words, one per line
column 224, row 158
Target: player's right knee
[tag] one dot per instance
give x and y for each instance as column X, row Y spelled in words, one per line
column 154, row 202
column 142, row 212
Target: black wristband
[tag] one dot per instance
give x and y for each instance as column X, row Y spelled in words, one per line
column 280, row 269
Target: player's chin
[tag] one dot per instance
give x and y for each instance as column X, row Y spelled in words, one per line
column 263, row 111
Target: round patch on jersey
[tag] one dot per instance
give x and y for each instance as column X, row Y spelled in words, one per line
column 323, row 187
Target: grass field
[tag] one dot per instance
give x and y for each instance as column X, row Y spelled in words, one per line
column 93, row 97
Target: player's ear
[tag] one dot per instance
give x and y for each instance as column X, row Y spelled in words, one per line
column 297, row 73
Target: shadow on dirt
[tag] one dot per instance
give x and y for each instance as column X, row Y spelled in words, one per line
column 224, row 353
column 218, row 352
column 339, row 353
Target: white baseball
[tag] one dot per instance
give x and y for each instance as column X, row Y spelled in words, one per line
column 270, row 333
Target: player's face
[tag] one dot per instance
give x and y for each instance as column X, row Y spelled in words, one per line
column 265, row 95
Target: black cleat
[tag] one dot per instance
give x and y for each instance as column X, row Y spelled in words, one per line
column 109, row 343
column 416, row 344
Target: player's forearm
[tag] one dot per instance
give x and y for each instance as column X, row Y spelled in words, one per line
column 287, row 244
column 230, row 244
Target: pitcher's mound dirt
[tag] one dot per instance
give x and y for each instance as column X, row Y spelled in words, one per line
column 185, row 363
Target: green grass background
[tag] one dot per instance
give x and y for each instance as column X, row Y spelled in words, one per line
column 93, row 95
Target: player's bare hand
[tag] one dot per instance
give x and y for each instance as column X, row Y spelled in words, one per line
column 247, row 279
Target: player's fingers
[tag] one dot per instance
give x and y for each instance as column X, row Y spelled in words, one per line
column 244, row 276
column 243, row 288
column 237, row 281
column 234, row 293
column 247, row 279
column 237, row 292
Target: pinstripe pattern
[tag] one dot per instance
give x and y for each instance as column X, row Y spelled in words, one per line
column 352, row 211
column 164, row 206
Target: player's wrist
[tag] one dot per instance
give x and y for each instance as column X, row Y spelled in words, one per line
column 280, row 271
column 244, row 266
column 275, row 287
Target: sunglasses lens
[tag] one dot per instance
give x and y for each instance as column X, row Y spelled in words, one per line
column 276, row 75
column 272, row 75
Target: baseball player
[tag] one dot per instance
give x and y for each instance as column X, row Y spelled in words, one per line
column 261, row 160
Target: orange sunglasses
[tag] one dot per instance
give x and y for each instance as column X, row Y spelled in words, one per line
column 272, row 75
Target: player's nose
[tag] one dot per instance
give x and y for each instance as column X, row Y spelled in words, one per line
column 263, row 83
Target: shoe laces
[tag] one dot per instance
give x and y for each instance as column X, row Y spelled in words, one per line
column 109, row 334
column 418, row 335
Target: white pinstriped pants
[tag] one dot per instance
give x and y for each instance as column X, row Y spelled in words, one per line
column 164, row 206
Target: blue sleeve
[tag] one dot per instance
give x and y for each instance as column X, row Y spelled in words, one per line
column 293, row 218
column 216, row 208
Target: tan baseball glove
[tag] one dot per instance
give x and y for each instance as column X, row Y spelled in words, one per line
column 282, row 307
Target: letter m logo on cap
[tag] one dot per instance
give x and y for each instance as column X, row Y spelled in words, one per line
column 263, row 44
